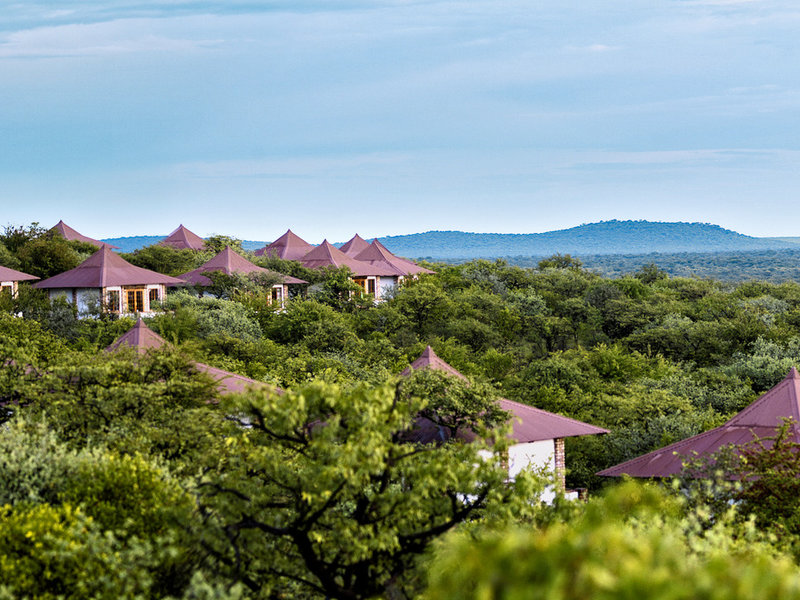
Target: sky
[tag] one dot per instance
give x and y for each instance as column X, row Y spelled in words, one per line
column 387, row 117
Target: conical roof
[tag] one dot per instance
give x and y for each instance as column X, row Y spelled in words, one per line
column 69, row 234
column 430, row 360
column 377, row 253
column 288, row 247
column 229, row 262
column 354, row 245
column 758, row 421
column 529, row 424
column 104, row 268
column 328, row 255
column 7, row 274
column 182, row 239
column 142, row 338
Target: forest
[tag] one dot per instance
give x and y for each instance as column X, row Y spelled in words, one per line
column 126, row 475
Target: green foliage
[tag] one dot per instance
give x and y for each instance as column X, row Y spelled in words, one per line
column 57, row 552
column 217, row 243
column 289, row 267
column 235, row 284
column 51, row 254
column 204, row 317
column 559, row 261
column 629, row 545
column 313, row 324
column 167, row 260
column 760, row 477
column 16, row 236
column 141, row 509
column 453, row 404
column 337, row 289
column 154, row 404
column 7, row 258
column 319, row 491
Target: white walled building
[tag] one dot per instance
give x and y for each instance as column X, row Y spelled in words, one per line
column 538, row 435
column 107, row 281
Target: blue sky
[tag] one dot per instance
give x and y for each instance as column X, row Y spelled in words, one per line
column 398, row 116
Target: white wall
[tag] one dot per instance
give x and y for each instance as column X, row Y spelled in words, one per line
column 88, row 299
column 386, row 285
column 533, row 454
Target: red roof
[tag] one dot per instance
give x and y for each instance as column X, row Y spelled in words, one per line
column 230, row 383
column 288, row 247
column 142, row 338
column 430, row 360
column 529, row 424
column 354, row 245
column 7, row 274
column 759, row 420
column 69, row 234
column 377, row 254
column 103, row 269
column 328, row 255
column 182, row 239
column 229, row 262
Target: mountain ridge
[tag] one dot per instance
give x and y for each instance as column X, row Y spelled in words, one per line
column 603, row 237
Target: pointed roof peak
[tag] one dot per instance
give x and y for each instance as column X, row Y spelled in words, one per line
column 69, row 234
column 793, row 374
column 289, row 246
column 430, row 360
column 182, row 239
column 327, row 255
column 377, row 254
column 354, row 245
column 139, row 337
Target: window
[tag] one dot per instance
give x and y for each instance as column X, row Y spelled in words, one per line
column 371, row 286
column 6, row 290
column 112, row 301
column 153, row 296
column 276, row 294
column 135, row 301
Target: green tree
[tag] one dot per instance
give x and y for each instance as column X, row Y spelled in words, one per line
column 634, row 543
column 167, row 260
column 51, row 254
column 217, row 243
column 319, row 492
column 560, row 261
column 453, row 404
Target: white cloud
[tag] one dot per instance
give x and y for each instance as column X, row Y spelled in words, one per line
column 112, row 37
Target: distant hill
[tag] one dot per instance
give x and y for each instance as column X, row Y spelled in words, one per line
column 606, row 237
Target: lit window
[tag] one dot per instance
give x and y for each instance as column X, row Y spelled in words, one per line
column 135, row 301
